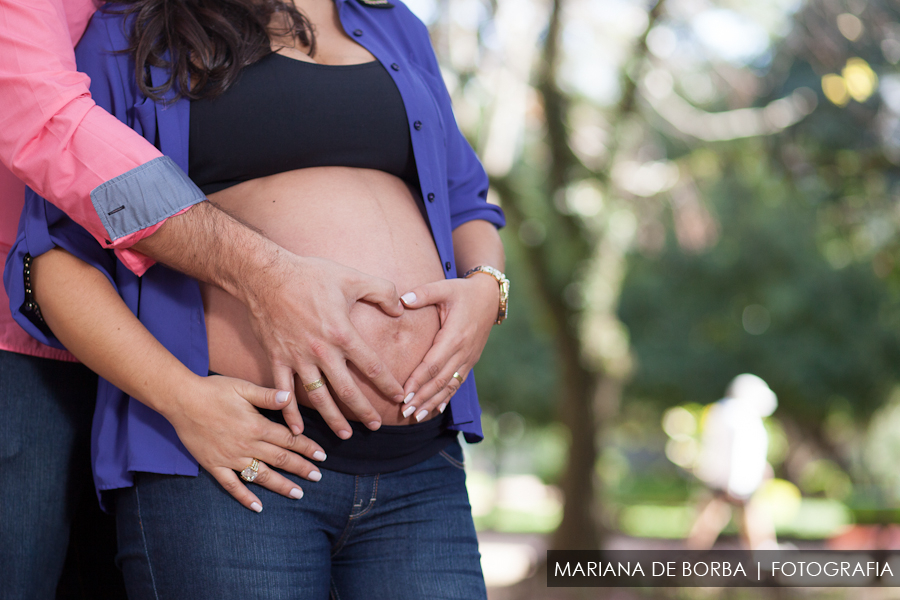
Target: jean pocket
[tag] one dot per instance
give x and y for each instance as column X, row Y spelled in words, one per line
column 453, row 454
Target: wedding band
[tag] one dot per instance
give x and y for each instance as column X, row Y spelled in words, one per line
column 458, row 377
column 250, row 473
column 314, row 385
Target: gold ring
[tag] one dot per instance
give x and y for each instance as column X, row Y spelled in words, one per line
column 314, row 385
column 250, row 473
column 458, row 377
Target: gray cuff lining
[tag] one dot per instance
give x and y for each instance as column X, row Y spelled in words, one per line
column 143, row 197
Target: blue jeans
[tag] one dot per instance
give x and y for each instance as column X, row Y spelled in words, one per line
column 46, row 408
column 401, row 535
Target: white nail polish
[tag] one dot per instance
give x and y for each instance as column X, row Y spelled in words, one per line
column 296, row 493
column 409, row 410
column 256, row 506
column 422, row 414
column 314, row 476
column 409, row 397
column 282, row 397
column 319, row 455
column 408, row 297
column 442, row 407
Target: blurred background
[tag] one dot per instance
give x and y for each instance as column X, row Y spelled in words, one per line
column 694, row 189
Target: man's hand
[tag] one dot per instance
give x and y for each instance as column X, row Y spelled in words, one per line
column 303, row 322
column 299, row 307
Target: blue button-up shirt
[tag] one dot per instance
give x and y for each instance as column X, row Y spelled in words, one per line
column 128, row 436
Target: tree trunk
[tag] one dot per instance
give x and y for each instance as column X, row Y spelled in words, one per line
column 579, row 528
column 588, row 394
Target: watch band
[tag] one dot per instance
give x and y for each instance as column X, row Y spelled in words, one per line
column 503, row 310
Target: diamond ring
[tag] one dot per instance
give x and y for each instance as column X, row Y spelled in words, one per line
column 250, row 473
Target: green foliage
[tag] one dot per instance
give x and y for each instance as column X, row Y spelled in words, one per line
column 767, row 237
column 763, row 300
column 518, row 369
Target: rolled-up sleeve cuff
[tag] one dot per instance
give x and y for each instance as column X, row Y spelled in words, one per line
column 486, row 212
column 133, row 260
column 143, row 197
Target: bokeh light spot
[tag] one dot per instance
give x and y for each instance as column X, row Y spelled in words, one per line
column 850, row 26
column 835, row 89
column 860, row 79
column 756, row 319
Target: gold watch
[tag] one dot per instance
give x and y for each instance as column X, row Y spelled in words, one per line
column 504, row 288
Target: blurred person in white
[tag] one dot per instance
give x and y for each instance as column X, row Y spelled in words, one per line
column 732, row 464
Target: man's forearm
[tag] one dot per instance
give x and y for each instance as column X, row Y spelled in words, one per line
column 81, row 158
column 210, row 245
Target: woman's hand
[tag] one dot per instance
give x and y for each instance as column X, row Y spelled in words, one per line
column 467, row 309
column 216, row 419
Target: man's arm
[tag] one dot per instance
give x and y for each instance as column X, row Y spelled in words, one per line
column 53, row 137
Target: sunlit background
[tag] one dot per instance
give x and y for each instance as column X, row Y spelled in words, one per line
column 694, row 190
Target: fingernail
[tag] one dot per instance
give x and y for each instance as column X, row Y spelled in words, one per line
column 344, row 434
column 295, row 429
column 409, row 397
column 282, row 397
column 442, row 406
column 422, row 414
column 409, row 410
column 296, row 493
column 373, row 425
column 314, row 476
column 318, row 455
column 256, row 506
column 408, row 298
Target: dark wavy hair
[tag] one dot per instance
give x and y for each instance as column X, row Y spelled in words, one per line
column 204, row 44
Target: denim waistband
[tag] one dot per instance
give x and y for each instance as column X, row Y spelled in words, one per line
column 390, row 448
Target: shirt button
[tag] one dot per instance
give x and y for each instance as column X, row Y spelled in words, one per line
column 357, row 32
column 430, row 197
column 417, row 125
column 447, row 265
column 395, row 66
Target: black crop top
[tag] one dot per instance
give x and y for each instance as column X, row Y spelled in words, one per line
column 285, row 114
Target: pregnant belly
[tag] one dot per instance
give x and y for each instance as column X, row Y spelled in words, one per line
column 359, row 218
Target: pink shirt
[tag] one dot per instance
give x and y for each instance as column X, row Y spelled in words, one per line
column 54, row 138
column 13, row 337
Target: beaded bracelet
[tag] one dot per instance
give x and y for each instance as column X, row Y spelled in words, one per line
column 30, row 305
